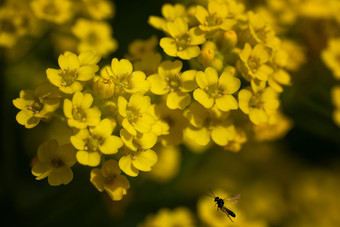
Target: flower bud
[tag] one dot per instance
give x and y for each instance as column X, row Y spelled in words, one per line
column 103, row 88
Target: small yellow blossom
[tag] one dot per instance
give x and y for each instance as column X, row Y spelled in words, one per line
column 175, row 84
column 336, row 100
column 259, row 106
column 236, row 144
column 138, row 48
column 78, row 112
column 57, row 11
column 55, row 162
column 276, row 127
column 207, row 124
column 254, row 62
column 170, row 13
column 94, row 36
column 36, row 105
column 137, row 154
column 169, row 160
column 134, row 113
column 94, row 142
column 99, row 9
column 108, row 178
column 261, row 32
column 331, row 56
column 213, row 89
column 169, row 124
column 179, row 217
column 103, row 87
column 216, row 17
column 74, row 70
column 125, row 79
column 183, row 42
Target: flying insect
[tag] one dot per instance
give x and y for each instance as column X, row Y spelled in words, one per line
column 220, row 204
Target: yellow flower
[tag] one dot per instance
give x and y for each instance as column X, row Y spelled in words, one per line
column 179, row 217
column 253, row 62
column 169, row 13
column 213, row 89
column 183, row 41
column 259, row 106
column 94, row 36
column 108, row 178
column 94, row 142
column 261, row 32
column 216, row 17
column 57, row 11
column 167, row 167
column 137, row 154
column 138, row 48
column 78, row 112
column 335, row 93
column 99, row 9
column 125, row 79
column 276, row 127
column 236, row 144
column 169, row 124
column 36, row 105
column 175, row 84
column 74, row 70
column 209, row 124
column 331, row 58
column 278, row 78
column 134, row 113
column 55, row 162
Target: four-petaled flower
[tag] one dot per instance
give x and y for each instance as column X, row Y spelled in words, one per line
column 171, row 81
column 108, row 178
column 78, row 112
column 55, row 162
column 213, row 89
column 183, row 42
column 74, row 70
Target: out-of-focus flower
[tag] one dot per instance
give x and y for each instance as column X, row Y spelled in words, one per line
column 99, row 9
column 78, row 112
column 73, row 71
column 259, row 106
column 167, row 166
column 57, row 11
column 331, row 56
column 215, row 17
column 55, row 162
column 94, row 36
column 179, row 217
column 108, row 178
column 170, row 13
column 209, row 124
column 36, row 105
column 276, row 127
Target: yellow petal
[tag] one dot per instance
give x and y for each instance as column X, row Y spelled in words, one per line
column 126, row 166
column 203, row 98
column 144, row 160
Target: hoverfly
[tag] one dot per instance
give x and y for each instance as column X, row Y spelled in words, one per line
column 220, row 204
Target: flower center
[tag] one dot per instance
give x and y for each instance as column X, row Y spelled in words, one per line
column 57, row 162
column 254, row 64
column 214, row 91
column 173, row 82
column 69, row 76
column 110, row 179
column 36, row 105
column 94, row 143
column 183, row 42
column 78, row 114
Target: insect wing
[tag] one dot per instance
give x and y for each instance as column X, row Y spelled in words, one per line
column 232, row 199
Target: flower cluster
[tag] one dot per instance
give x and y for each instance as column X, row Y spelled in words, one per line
column 34, row 18
column 221, row 87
